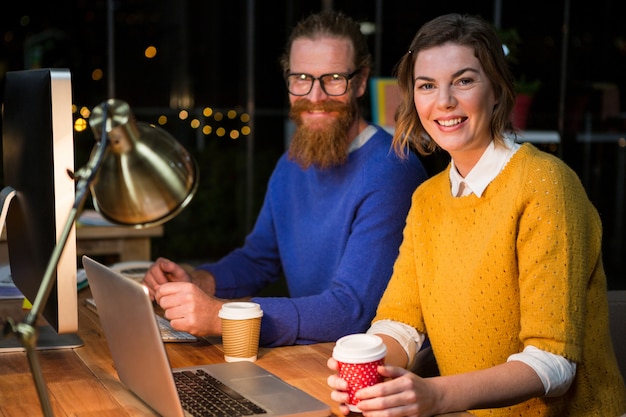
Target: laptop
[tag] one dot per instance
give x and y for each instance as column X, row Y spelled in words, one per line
column 128, row 321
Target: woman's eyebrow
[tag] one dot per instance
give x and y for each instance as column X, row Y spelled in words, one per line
column 454, row 75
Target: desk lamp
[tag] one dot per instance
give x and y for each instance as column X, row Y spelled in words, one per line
column 138, row 175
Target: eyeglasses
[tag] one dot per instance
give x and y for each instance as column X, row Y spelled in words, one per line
column 335, row 84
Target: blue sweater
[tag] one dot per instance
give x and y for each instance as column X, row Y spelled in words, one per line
column 334, row 234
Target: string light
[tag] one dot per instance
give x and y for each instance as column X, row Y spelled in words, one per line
column 232, row 123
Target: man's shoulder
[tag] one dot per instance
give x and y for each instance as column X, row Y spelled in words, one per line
column 381, row 134
column 382, row 154
column 380, row 144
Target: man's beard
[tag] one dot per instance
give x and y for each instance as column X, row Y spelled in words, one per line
column 323, row 147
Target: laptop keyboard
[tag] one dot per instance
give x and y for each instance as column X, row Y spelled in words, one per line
column 203, row 395
column 169, row 334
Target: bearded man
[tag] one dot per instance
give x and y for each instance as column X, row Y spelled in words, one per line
column 333, row 215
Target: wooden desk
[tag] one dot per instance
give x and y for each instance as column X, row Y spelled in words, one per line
column 126, row 243
column 83, row 381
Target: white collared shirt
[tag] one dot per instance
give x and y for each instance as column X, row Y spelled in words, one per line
column 486, row 169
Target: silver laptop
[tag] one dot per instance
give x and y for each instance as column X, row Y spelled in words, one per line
column 127, row 318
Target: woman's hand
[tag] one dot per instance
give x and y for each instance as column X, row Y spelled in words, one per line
column 402, row 394
column 339, row 386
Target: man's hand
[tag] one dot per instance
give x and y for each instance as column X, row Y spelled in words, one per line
column 189, row 308
column 186, row 296
column 163, row 271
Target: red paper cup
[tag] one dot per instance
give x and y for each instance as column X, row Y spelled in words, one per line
column 358, row 356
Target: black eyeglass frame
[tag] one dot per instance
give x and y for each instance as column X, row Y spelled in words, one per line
column 347, row 76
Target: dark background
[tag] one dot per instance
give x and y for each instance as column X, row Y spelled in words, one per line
column 224, row 55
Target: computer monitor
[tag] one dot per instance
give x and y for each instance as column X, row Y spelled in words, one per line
column 38, row 152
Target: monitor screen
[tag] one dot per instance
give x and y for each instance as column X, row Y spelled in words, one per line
column 38, row 151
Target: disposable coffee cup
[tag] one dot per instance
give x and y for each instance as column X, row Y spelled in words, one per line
column 241, row 326
column 358, row 356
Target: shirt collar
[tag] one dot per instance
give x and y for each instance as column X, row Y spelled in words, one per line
column 362, row 138
column 492, row 161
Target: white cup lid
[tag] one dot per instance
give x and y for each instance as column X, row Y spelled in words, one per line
column 359, row 348
column 239, row 310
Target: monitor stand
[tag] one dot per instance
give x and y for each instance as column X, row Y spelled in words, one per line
column 47, row 339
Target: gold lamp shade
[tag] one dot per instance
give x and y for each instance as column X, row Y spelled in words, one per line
column 146, row 177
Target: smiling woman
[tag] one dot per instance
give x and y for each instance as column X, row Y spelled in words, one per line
column 491, row 211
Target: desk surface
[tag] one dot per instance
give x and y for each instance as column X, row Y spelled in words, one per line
column 83, row 381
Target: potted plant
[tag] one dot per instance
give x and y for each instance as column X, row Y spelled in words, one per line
column 524, row 87
column 526, row 91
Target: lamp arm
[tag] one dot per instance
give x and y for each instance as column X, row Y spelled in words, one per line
column 25, row 331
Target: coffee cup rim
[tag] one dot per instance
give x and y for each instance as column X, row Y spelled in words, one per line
column 359, row 348
column 238, row 310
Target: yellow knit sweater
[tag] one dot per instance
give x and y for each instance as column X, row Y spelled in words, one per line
column 485, row 277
